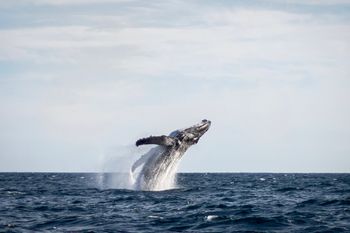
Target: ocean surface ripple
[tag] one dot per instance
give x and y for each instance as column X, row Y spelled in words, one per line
column 203, row 202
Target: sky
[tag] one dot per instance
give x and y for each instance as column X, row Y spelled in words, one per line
column 81, row 81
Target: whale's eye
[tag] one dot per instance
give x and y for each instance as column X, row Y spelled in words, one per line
column 174, row 133
column 189, row 136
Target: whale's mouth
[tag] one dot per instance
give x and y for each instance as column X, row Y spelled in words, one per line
column 203, row 126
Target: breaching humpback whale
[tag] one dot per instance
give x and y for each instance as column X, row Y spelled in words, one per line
column 160, row 163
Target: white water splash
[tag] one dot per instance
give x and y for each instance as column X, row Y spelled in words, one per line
column 115, row 167
column 211, row 217
column 116, row 172
column 164, row 177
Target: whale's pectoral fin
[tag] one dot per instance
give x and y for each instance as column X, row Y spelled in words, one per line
column 138, row 163
column 158, row 140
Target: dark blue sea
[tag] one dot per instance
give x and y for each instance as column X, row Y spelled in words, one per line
column 229, row 202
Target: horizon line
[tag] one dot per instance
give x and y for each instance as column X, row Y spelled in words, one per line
column 187, row 172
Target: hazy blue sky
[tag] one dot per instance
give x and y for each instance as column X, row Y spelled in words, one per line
column 85, row 78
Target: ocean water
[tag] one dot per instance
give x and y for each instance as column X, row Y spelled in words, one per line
column 230, row 202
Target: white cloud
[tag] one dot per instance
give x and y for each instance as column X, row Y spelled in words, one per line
column 269, row 80
column 237, row 36
column 62, row 2
column 318, row 2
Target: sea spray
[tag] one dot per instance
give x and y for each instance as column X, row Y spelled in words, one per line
column 167, row 178
column 115, row 166
column 116, row 172
column 164, row 173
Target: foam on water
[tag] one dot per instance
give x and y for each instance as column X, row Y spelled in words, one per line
column 211, row 217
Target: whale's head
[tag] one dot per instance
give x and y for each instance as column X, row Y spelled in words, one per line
column 192, row 134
